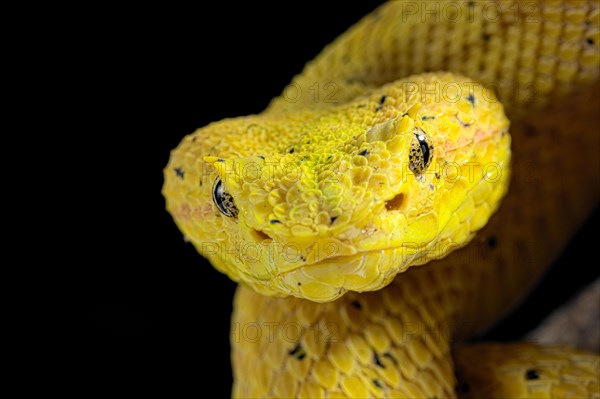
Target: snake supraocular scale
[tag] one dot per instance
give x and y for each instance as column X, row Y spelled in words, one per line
column 320, row 200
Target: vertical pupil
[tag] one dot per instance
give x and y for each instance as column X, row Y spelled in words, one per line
column 424, row 148
column 218, row 194
column 218, row 197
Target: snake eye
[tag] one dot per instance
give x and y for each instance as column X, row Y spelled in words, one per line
column 421, row 152
column 223, row 200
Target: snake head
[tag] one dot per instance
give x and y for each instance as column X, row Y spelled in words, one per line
column 316, row 203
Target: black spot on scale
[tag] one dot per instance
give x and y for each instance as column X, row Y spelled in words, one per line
column 391, row 357
column 291, row 151
column 427, row 118
column 486, row 37
column 364, row 152
column 274, row 221
column 491, row 242
column 471, row 99
column 381, row 101
column 261, row 157
column 298, row 352
column 437, row 175
column 333, row 219
column 532, row 374
column 377, row 383
column 179, row 172
column 356, row 304
column 299, row 283
column 377, row 361
column 589, row 41
column 463, row 124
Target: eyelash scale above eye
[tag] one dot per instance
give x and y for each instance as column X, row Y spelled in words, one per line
column 421, row 152
column 223, row 200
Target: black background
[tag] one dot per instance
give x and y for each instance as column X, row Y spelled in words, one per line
column 153, row 311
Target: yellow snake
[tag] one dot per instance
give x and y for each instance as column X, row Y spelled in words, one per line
column 320, row 199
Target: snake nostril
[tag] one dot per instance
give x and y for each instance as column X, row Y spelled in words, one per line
column 259, row 235
column 395, row 203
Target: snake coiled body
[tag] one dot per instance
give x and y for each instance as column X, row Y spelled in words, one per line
column 349, row 189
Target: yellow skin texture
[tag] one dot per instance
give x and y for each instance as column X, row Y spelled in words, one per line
column 396, row 342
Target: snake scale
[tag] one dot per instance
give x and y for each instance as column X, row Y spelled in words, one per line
column 322, row 207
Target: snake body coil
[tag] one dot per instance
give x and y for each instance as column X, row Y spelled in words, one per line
column 322, row 200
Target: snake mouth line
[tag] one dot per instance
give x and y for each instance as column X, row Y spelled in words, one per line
column 385, row 257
